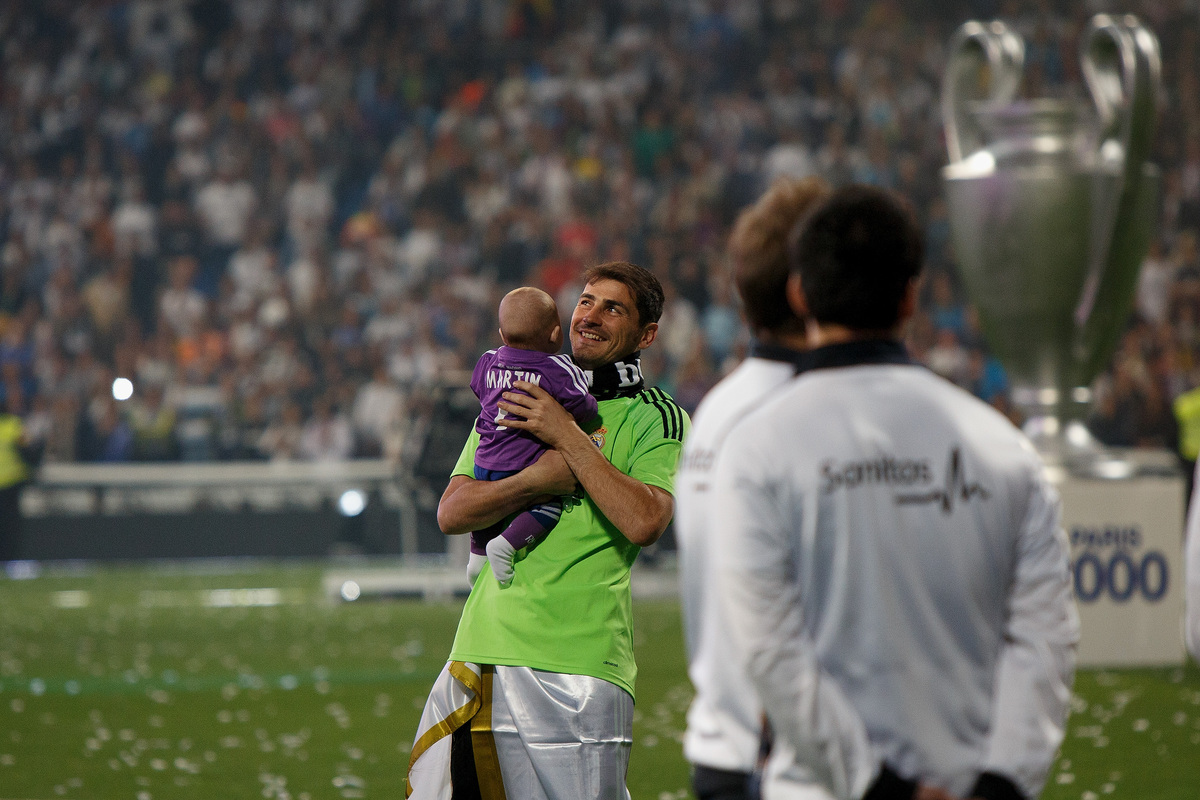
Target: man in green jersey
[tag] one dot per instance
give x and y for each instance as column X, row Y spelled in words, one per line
column 537, row 699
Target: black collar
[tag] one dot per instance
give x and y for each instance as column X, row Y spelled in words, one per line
column 776, row 352
column 858, row 353
column 618, row 379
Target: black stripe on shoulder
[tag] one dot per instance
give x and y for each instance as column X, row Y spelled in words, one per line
column 675, row 412
column 649, row 398
column 671, row 413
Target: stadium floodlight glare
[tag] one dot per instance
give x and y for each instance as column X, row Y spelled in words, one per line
column 352, row 502
column 351, row 591
column 122, row 389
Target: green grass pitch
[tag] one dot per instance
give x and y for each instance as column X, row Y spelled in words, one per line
column 244, row 681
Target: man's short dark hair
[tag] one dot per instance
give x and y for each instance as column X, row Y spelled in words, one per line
column 856, row 255
column 646, row 290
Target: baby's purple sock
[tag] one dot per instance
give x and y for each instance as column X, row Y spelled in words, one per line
column 523, row 531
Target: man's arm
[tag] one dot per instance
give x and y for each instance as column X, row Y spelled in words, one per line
column 639, row 511
column 1191, row 570
column 470, row 505
column 753, row 527
column 1037, row 663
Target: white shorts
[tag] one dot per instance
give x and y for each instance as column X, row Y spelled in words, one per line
column 535, row 735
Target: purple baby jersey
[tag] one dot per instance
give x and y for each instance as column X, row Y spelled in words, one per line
column 508, row 448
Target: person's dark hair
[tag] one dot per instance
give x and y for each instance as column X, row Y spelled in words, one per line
column 856, row 255
column 758, row 247
column 646, row 290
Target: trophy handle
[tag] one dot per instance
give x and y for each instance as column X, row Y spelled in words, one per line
column 980, row 54
column 1123, row 70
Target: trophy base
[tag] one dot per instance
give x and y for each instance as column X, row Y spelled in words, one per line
column 1069, row 448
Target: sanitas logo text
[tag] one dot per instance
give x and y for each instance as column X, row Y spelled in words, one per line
column 885, row 471
column 913, row 475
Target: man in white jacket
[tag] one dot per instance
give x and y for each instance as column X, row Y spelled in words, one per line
column 724, row 731
column 889, row 551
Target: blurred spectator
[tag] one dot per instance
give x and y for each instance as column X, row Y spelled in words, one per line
column 224, row 205
column 134, row 224
column 109, row 438
column 182, row 307
column 16, row 464
column 152, row 421
column 948, row 357
column 309, row 205
column 1154, row 285
column 280, row 440
column 378, row 416
column 327, row 435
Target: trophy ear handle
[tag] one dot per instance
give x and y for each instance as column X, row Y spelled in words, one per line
column 984, row 63
column 1122, row 67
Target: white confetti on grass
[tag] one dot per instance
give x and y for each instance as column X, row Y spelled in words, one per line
column 184, row 765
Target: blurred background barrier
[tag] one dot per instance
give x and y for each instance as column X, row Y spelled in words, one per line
column 253, row 508
column 215, row 510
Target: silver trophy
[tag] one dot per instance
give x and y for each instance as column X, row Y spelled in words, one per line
column 1052, row 205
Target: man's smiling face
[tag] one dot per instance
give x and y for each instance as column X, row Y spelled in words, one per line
column 605, row 326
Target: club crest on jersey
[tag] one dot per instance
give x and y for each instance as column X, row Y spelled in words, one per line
column 597, row 437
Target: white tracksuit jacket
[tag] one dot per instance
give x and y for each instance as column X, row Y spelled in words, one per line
column 1192, row 571
column 725, row 718
column 895, row 578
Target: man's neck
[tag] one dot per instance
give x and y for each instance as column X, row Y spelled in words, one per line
column 824, row 334
column 793, row 341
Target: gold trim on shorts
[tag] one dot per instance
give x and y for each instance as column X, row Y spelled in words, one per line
column 459, row 671
column 483, row 743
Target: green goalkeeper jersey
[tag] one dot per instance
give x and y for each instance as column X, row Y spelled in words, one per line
column 568, row 607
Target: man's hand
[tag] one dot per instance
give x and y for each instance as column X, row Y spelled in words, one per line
column 927, row 792
column 543, row 416
column 640, row 512
column 470, row 505
column 551, row 475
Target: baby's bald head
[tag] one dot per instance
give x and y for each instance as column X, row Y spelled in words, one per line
column 529, row 320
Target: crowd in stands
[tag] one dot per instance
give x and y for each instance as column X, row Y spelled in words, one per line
column 287, row 222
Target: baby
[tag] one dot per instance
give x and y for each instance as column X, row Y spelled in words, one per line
column 532, row 334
